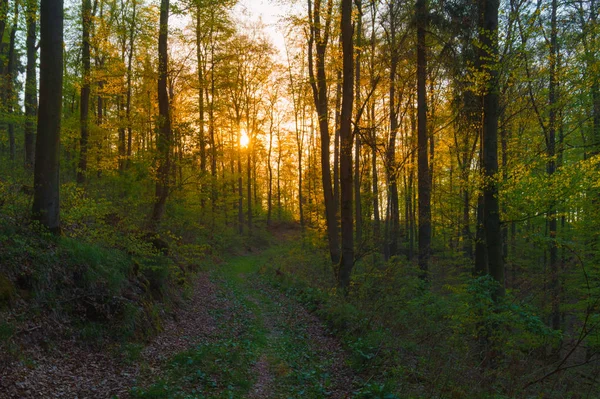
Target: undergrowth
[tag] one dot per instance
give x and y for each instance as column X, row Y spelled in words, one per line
column 408, row 339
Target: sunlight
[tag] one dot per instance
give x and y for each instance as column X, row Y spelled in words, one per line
column 244, row 139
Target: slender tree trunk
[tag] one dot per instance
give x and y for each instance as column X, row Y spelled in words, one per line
column 211, row 131
column 84, row 107
column 318, row 39
column 201, row 90
column 30, row 84
column 336, row 139
column 424, row 184
column 46, row 207
column 249, row 186
column 493, row 233
column 347, row 260
column 356, row 134
column 132, row 30
column 270, row 175
column 10, row 77
column 551, row 168
column 164, row 137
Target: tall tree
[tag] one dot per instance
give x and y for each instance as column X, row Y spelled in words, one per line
column 84, row 110
column 347, row 260
column 46, row 208
column 357, row 133
column 163, row 139
column 551, row 166
column 10, row 80
column 30, row 83
column 424, row 182
column 394, row 42
column 491, row 208
column 317, row 42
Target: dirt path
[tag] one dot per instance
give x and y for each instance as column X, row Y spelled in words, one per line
column 236, row 337
column 65, row 369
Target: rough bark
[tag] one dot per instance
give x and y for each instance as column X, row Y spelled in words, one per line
column 491, row 211
column 424, row 182
column 84, row 108
column 551, row 168
column 10, row 78
column 347, row 260
column 30, row 84
column 163, row 139
column 318, row 43
column 356, row 133
column 46, row 182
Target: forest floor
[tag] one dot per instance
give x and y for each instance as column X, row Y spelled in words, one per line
column 235, row 337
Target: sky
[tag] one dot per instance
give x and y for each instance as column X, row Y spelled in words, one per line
column 270, row 12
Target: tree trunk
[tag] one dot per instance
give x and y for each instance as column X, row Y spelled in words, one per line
column 551, row 168
column 163, row 139
column 46, row 207
column 424, row 182
column 84, row 107
column 356, row 134
column 491, row 211
column 10, row 78
column 30, row 84
column 347, row 260
column 319, row 88
column 201, row 84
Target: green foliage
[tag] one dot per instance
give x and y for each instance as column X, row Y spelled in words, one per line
column 405, row 336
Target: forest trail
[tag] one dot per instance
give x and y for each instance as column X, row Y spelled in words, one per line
column 236, row 337
column 263, row 345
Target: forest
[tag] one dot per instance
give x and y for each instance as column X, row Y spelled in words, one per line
column 299, row 199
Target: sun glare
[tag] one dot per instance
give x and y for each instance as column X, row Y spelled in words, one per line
column 244, row 139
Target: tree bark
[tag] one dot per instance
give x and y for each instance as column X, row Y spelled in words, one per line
column 424, row 182
column 356, row 133
column 347, row 260
column 551, row 168
column 46, row 207
column 10, row 78
column 30, row 84
column 491, row 208
column 84, row 107
column 318, row 41
column 163, row 139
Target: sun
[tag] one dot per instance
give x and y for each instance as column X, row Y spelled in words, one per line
column 244, row 139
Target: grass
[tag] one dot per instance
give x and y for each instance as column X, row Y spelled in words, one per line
column 255, row 323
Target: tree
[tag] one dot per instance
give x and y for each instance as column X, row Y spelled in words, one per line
column 317, row 42
column 164, row 134
column 30, row 83
column 86, row 20
column 347, row 259
column 424, row 184
column 491, row 212
column 46, row 206
column 10, row 98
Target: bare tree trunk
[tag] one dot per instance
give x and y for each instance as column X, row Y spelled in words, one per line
column 201, row 90
column 163, row 140
column 84, row 107
column 347, row 260
column 424, row 183
column 30, row 84
column 491, row 208
column 356, row 134
column 46, row 207
column 551, row 168
column 318, row 39
column 10, row 77
column 132, row 30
